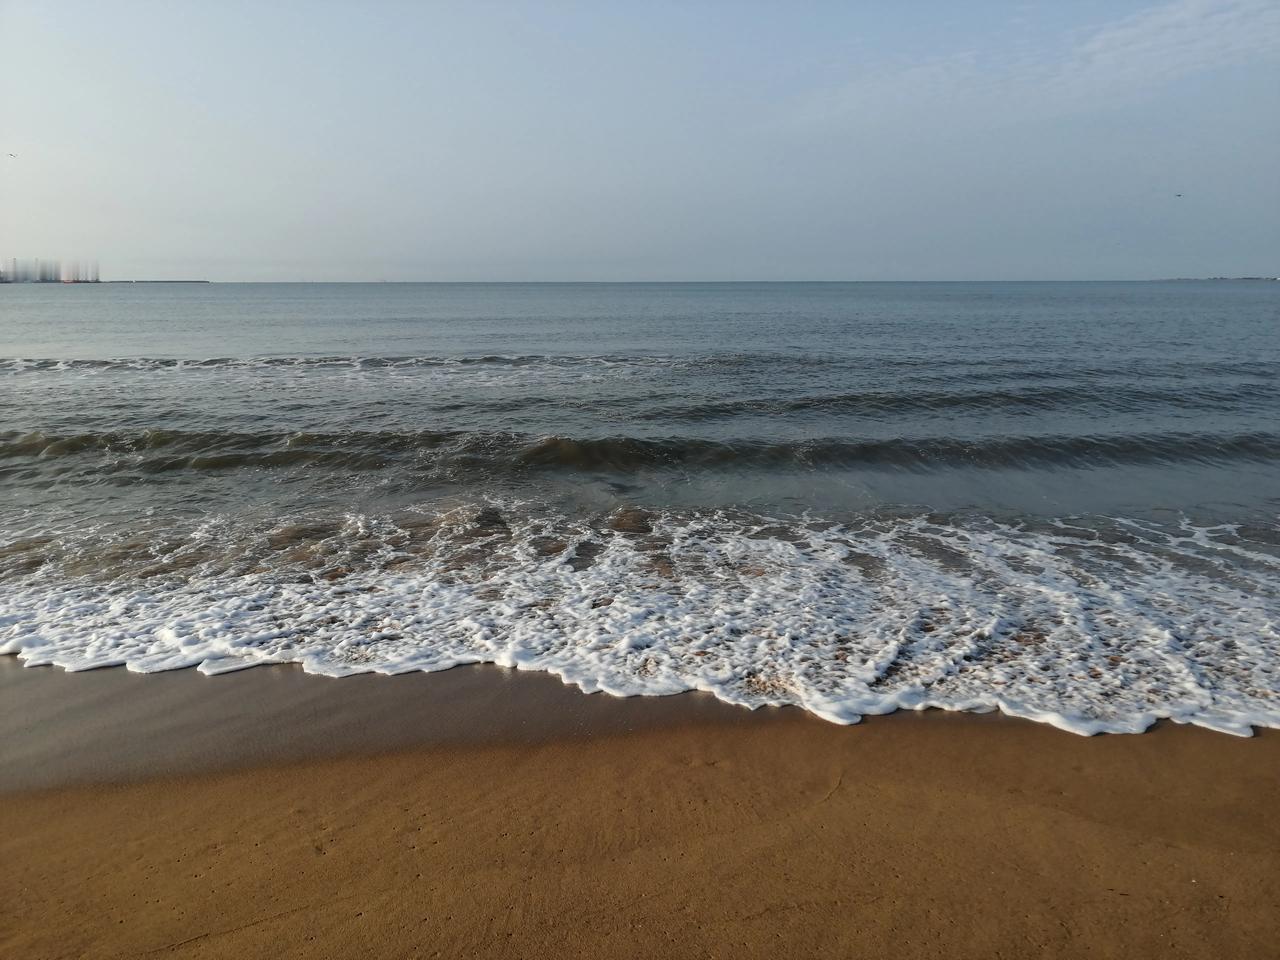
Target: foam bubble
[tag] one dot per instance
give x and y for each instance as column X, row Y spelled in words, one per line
column 1091, row 625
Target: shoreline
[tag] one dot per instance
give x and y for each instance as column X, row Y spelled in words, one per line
column 110, row 725
column 588, row 825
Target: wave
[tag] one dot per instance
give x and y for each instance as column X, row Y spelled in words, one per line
column 460, row 452
column 1017, row 401
column 1091, row 624
column 978, row 367
column 51, row 364
column 923, row 453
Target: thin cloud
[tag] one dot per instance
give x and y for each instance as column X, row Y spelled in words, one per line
column 1165, row 43
column 1116, row 62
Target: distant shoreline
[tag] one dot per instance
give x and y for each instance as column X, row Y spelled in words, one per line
column 86, row 283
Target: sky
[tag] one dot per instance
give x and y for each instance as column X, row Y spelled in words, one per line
column 643, row 141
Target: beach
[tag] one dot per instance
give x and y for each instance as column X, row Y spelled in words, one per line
column 534, row 480
column 590, row 825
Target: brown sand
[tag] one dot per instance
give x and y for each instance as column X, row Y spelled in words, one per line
column 725, row 834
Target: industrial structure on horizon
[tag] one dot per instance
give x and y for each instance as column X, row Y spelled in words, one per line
column 49, row 271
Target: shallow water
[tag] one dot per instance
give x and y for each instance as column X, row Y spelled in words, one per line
column 1059, row 500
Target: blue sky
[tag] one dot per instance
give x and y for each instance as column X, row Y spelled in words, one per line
column 594, row 141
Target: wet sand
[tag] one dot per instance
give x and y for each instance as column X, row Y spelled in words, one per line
column 487, row 813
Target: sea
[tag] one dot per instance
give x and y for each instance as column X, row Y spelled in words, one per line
column 1056, row 500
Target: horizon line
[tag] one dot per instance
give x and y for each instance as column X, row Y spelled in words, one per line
column 1259, row 277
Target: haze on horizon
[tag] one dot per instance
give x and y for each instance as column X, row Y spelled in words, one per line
column 714, row 141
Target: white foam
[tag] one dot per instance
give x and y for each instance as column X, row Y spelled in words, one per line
column 1056, row 625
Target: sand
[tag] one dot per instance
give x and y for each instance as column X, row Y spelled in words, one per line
column 600, row 827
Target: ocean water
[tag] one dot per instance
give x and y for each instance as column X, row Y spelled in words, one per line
column 1059, row 500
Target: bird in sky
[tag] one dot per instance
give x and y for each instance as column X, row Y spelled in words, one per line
column 14, row 155
column 1176, row 194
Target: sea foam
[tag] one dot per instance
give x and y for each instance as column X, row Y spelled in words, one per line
column 1090, row 624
